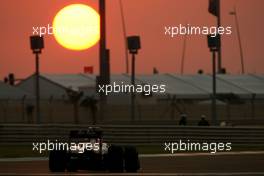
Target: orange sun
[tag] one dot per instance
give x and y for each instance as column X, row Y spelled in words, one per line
column 77, row 27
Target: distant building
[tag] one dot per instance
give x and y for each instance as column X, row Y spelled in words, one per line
column 240, row 98
column 55, row 86
column 13, row 103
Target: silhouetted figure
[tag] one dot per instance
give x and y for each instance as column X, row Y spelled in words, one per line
column 183, row 120
column 6, row 80
column 200, row 72
column 11, row 79
column 203, row 121
column 155, row 71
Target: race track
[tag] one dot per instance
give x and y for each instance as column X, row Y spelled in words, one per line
column 236, row 163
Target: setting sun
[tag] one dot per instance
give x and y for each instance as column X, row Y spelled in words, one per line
column 77, row 27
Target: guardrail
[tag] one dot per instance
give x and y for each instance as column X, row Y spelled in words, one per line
column 133, row 134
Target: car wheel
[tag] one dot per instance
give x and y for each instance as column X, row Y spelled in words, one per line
column 71, row 166
column 57, row 161
column 115, row 159
column 131, row 159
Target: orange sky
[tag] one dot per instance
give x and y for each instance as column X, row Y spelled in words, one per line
column 146, row 18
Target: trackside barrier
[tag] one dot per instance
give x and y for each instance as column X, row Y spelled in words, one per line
column 133, row 134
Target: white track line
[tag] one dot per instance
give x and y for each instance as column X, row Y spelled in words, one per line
column 200, row 154
column 143, row 156
column 23, row 159
column 146, row 174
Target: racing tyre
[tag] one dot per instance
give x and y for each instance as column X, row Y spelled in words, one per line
column 131, row 159
column 71, row 166
column 57, row 161
column 115, row 159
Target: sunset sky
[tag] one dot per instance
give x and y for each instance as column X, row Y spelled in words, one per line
column 146, row 18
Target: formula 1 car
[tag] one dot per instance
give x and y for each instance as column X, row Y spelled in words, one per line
column 87, row 151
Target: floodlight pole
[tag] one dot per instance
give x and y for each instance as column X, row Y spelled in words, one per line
column 213, row 44
column 36, row 44
column 125, row 35
column 220, row 45
column 133, row 43
column 215, row 9
column 133, row 83
column 102, row 36
column 183, row 54
column 104, row 66
column 37, row 89
column 239, row 40
column 214, row 89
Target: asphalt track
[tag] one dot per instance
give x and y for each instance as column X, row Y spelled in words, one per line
column 231, row 163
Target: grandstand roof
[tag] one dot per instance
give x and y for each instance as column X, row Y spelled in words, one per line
column 181, row 86
column 11, row 92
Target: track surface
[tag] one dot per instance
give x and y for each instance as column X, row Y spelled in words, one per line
column 189, row 164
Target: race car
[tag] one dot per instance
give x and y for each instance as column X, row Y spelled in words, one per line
column 86, row 150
